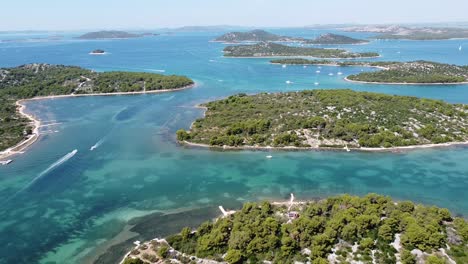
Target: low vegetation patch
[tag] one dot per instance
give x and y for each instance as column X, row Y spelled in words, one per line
column 324, row 118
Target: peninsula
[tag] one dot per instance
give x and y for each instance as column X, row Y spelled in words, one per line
column 268, row 49
column 341, row 229
column 264, row 36
column 414, row 72
column 45, row 80
column 328, row 119
column 113, row 34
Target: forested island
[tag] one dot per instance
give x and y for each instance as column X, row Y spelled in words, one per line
column 98, row 52
column 416, row 72
column 334, row 39
column 268, row 49
column 413, row 72
column 340, row 229
column 36, row 80
column 113, row 34
column 264, row 36
column 324, row 119
column 257, row 35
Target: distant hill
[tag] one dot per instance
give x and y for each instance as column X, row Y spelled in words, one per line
column 257, row 35
column 113, row 34
column 426, row 33
column 412, row 33
column 335, row 39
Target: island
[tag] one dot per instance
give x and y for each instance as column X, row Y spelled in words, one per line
column 413, row 72
column 112, row 34
column 257, row 35
column 327, row 119
column 18, row 129
column 334, row 39
column 413, row 33
column 98, row 52
column 264, row 36
column 339, row 229
column 268, row 49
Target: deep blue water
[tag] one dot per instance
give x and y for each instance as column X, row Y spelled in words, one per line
column 73, row 211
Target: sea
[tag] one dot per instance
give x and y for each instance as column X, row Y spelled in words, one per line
column 107, row 170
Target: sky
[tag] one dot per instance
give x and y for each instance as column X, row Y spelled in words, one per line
column 152, row 14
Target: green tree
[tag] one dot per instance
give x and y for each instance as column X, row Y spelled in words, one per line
column 133, row 261
column 407, row 257
column 163, row 251
column 434, row 260
column 320, row 261
column 385, row 232
column 185, row 233
column 366, row 243
column 182, row 135
column 233, row 256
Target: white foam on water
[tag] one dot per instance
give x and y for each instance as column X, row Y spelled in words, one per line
column 155, row 70
column 46, row 171
column 95, row 146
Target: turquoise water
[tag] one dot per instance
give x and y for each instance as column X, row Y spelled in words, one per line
column 57, row 208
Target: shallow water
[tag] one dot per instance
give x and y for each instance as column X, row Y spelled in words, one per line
column 137, row 169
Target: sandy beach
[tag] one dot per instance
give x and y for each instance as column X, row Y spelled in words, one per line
column 23, row 145
column 392, row 149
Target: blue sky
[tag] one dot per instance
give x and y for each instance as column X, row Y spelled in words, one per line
column 135, row 14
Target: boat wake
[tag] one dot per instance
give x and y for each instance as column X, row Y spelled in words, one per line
column 45, row 172
column 95, row 146
column 156, row 70
column 169, row 98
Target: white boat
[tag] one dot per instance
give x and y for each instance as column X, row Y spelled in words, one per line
column 340, row 73
column 289, row 82
column 346, row 148
column 5, row 162
column 284, row 66
column 317, row 71
column 316, row 83
column 305, row 66
column 331, row 74
column 269, row 157
column 460, row 48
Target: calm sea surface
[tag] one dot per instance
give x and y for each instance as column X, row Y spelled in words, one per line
column 138, row 183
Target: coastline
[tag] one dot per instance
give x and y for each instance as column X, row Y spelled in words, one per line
column 298, row 57
column 362, row 149
column 24, row 144
column 389, row 83
column 330, row 65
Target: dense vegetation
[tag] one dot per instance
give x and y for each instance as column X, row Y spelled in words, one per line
column 257, row 35
column 343, row 228
column 264, row 36
column 334, row 39
column 32, row 80
column 328, row 118
column 266, row 49
column 415, row 72
column 424, row 72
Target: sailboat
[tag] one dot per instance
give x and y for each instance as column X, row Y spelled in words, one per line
column 460, row 48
